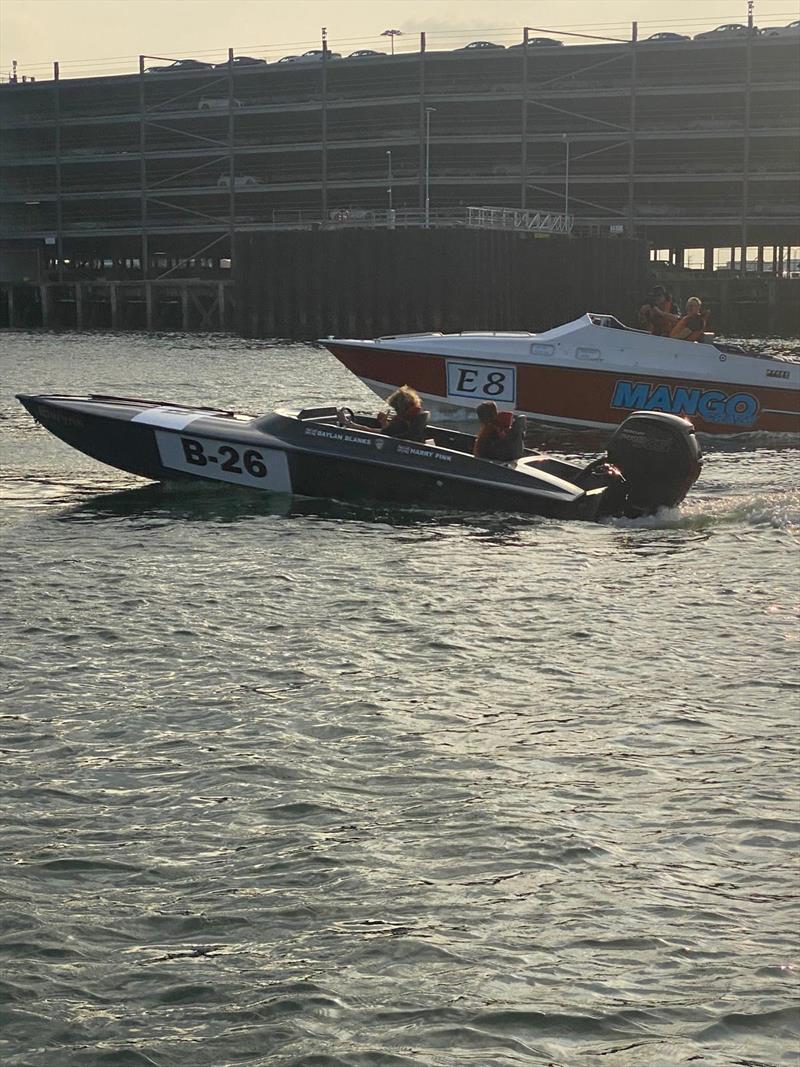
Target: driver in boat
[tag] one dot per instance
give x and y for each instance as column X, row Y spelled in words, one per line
column 692, row 326
column 409, row 420
column 658, row 314
column 502, row 433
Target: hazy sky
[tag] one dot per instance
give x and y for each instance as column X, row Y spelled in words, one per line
column 95, row 36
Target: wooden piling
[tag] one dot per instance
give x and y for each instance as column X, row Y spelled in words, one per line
column 221, row 305
column 772, row 305
column 46, row 303
column 184, row 290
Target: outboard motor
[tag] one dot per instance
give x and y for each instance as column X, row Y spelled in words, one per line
column 659, row 457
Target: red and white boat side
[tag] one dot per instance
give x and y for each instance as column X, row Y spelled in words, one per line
column 589, row 373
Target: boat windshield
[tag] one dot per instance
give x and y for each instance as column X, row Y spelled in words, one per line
column 610, row 321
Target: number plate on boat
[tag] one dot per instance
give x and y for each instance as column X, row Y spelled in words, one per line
column 482, row 381
column 206, row 457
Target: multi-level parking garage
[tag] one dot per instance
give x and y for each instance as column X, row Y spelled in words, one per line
column 687, row 144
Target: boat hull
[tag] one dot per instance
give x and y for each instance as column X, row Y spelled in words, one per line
column 281, row 454
column 584, row 381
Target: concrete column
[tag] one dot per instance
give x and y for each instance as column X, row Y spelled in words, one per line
column 113, row 295
column 421, row 166
column 760, row 265
column 323, row 137
column 523, row 166
column 630, row 223
column 708, row 260
column 59, row 182
column 10, row 303
column 221, row 302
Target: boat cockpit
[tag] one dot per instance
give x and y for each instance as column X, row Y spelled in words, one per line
column 531, row 461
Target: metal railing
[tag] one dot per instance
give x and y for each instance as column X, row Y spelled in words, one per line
column 509, row 218
column 347, row 218
column 488, row 218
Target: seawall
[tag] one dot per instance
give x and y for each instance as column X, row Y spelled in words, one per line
column 364, row 283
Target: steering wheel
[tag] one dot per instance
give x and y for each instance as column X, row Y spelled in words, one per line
column 595, row 466
column 343, row 415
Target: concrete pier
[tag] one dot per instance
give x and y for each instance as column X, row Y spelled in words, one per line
column 307, row 284
column 183, row 304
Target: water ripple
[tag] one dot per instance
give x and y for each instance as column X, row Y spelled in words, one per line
column 306, row 784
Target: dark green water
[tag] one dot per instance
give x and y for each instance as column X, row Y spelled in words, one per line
column 323, row 786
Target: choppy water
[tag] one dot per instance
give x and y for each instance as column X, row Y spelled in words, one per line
column 329, row 786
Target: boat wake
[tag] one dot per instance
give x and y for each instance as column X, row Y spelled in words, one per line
column 780, row 510
column 206, row 503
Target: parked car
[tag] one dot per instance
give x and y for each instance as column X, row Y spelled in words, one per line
column 180, row 64
column 239, row 182
column 354, row 214
column 215, row 103
column 730, row 29
column 782, row 31
column 242, row 61
column 363, row 53
column 477, row 46
column 538, row 42
column 315, row 56
column 711, row 123
column 289, row 59
column 667, row 37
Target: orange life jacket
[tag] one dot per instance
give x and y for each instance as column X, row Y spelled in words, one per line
column 654, row 318
column 696, row 322
column 498, row 428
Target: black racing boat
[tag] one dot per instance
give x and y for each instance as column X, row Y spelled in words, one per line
column 652, row 459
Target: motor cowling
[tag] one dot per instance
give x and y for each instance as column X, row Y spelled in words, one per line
column 660, row 458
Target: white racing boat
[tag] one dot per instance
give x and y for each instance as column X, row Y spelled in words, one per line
column 592, row 372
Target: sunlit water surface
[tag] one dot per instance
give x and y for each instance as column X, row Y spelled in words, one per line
column 304, row 783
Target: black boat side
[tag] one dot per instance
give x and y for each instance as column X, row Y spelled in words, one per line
column 309, row 454
column 109, row 428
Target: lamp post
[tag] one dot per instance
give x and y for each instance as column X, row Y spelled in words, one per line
column 392, row 34
column 428, row 112
column 565, row 139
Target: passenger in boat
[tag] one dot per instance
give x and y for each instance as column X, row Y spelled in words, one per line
column 659, row 312
column 692, row 325
column 502, row 433
column 409, row 420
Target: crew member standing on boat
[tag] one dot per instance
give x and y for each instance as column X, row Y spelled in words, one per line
column 502, row 433
column 692, row 325
column 659, row 313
